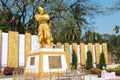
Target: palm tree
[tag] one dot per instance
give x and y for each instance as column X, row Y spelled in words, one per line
column 78, row 14
column 88, row 36
column 116, row 29
column 70, row 32
column 74, row 22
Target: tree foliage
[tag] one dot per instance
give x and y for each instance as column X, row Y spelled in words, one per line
column 74, row 60
column 89, row 64
column 93, row 37
column 102, row 61
column 115, row 7
column 113, row 45
column 68, row 18
column 4, row 22
column 116, row 29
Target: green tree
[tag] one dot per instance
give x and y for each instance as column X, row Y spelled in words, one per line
column 116, row 29
column 112, row 48
column 70, row 32
column 88, row 36
column 115, row 41
column 93, row 37
column 102, row 61
column 62, row 13
column 89, row 64
column 74, row 60
column 112, row 42
column 78, row 13
column 4, row 22
column 19, row 13
column 115, row 7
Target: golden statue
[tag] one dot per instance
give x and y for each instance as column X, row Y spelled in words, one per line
column 44, row 34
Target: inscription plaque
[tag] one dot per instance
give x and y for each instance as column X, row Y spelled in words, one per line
column 54, row 62
column 32, row 60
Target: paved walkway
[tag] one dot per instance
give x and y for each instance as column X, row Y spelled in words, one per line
column 87, row 77
column 92, row 77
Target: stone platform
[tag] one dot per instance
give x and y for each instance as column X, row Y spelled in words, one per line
column 46, row 62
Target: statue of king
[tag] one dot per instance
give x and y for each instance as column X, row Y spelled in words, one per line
column 44, row 34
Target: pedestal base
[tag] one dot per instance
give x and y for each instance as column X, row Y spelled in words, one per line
column 46, row 62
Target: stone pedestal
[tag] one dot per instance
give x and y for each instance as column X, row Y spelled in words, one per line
column 46, row 62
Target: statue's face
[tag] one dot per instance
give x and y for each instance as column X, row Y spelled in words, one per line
column 41, row 10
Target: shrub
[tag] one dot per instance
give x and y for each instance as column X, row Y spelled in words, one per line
column 89, row 60
column 118, row 67
column 19, row 70
column 117, row 71
column 74, row 60
column 8, row 71
column 95, row 71
column 102, row 61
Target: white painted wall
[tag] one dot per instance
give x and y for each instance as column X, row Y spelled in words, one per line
column 70, row 53
column 34, row 42
column 86, row 50
column 34, row 46
column 21, row 49
column 33, row 68
column 78, row 46
column 94, row 56
column 100, row 48
column 4, row 49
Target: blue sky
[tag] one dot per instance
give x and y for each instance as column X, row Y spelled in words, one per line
column 105, row 23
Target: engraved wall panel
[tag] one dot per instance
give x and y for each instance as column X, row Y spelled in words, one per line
column 67, row 50
column 105, row 50
column 97, row 51
column 27, row 44
column 59, row 45
column 82, row 54
column 67, row 47
column 13, row 49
